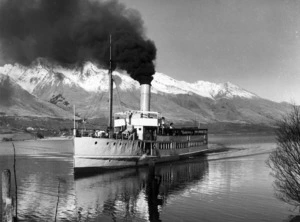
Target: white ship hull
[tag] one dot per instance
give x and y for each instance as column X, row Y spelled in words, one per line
column 97, row 154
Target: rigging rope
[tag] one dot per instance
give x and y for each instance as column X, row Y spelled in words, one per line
column 98, row 97
column 93, row 101
column 87, row 112
column 120, row 105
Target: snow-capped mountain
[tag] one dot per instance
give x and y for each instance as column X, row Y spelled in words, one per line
column 87, row 89
column 94, row 79
column 166, row 84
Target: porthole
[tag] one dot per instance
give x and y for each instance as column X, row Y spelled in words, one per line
column 96, row 142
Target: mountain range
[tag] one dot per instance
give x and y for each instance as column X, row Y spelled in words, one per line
column 46, row 89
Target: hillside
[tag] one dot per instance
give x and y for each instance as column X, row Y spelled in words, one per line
column 18, row 102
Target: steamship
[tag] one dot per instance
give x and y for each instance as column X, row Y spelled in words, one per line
column 135, row 138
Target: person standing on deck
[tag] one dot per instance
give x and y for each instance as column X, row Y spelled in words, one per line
column 171, row 127
column 162, row 125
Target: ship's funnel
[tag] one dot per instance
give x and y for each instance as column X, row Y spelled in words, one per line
column 145, row 97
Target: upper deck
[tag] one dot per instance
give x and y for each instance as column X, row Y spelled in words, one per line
column 137, row 118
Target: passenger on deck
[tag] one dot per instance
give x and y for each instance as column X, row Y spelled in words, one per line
column 171, row 127
column 128, row 117
column 132, row 134
column 78, row 133
column 162, row 125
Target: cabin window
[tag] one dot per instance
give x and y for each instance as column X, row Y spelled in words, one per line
column 95, row 142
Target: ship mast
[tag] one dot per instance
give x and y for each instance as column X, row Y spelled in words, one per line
column 110, row 124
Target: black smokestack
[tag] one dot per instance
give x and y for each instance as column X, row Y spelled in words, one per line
column 74, row 31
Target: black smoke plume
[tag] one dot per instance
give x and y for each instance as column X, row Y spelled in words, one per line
column 74, row 31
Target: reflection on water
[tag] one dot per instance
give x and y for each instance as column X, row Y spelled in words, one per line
column 238, row 189
column 135, row 194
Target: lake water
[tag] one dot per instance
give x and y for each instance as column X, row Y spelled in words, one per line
column 235, row 187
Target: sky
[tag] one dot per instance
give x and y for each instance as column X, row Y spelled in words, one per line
column 254, row 44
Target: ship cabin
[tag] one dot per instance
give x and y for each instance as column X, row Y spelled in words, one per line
column 142, row 125
column 150, row 126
